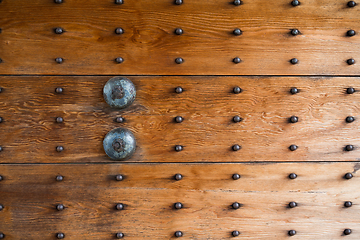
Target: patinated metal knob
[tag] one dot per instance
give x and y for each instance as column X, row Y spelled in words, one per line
column 237, row 119
column 351, row 4
column 236, row 176
column 119, row 60
column 179, row 89
column 292, row 232
column 179, row 148
column 294, row 90
column 60, row 235
column 59, row 178
column 119, row 2
column 59, row 120
column 293, row 147
column 119, row 92
column 235, row 233
column 179, row 60
column 348, row 176
column 237, row 90
column 119, row 31
column 119, row 144
column 292, row 204
column 294, row 61
column 350, row 61
column 347, row 231
column 350, row 90
column 294, row 119
column 294, row 32
column 179, row 119
column 178, row 234
column 292, row 176
column 237, row 32
column 295, row 3
column 59, row 148
column 58, row 1
column 237, row 2
column 2, row 235
column 178, row 177
column 235, row 205
column 58, row 30
column 350, row 33
column 119, row 235
column 60, row 207
column 178, row 205
column 119, row 206
column 237, row 60
column 349, row 147
column 119, row 119
column 236, row 147
column 59, row 90
column 178, row 2
column 347, row 204
column 59, row 60
column 350, row 119
column 179, row 31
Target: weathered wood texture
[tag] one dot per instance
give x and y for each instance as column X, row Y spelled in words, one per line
column 89, row 45
column 29, row 194
column 29, row 106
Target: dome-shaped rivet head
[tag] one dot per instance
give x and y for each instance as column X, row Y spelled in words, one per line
column 119, row 235
column 178, row 205
column 60, row 207
column 237, row 32
column 179, row 60
column 293, row 147
column 178, row 148
column 1, row 207
column 237, row 60
column 347, row 231
column 1, row 148
column 1, row 119
column 179, row 31
column 59, row 30
column 59, row 60
column 178, row 234
column 294, row 90
column 58, row 1
column 295, row 3
column 237, row 119
column 350, row 61
column 350, row 90
column 119, row 92
column 350, row 119
column 292, row 204
column 119, row 206
column 235, row 233
column 347, row 204
column 349, row 147
column 119, row 60
column 59, row 178
column 119, row 177
column 351, row 4
column 178, row 177
column 178, row 2
column 237, row 90
column 237, row 2
column 292, row 232
column 348, row 176
column 351, row 33
column 235, row 205
column 119, row 144
column 293, row 119
column 119, row 31
column 292, row 176
column 178, row 89
column 59, row 90
column 236, row 147
column 119, row 119
column 119, row 1
column 295, row 32
column 59, row 148
column 60, row 235
column 59, row 120
column 1, row 89
column 179, row 119
column 1, row 234
column 294, row 61
column 236, row 176
column 1, row 178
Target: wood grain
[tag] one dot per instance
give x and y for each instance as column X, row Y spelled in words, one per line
column 29, row 194
column 149, row 46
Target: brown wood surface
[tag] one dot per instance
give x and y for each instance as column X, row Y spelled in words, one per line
column 29, row 194
column 29, row 107
column 28, row 44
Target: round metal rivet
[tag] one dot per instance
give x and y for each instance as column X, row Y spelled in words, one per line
column 59, row 60
column 292, row 176
column 348, row 176
column 236, row 147
column 178, row 2
column 293, row 147
column 58, row 1
column 59, row 120
column 178, row 89
column 292, row 204
column 1, row 148
column 292, row 232
column 119, row 60
column 237, row 90
column 1, row 119
column 119, row 1
column 1, row 234
column 294, row 119
column 178, row 177
column 237, row 2
column 59, row 178
column 237, row 32
column 236, row 176
column 349, row 147
column 294, row 90
column 347, row 204
column 237, row 60
column 119, row 177
column 179, row 31
column 59, row 30
column 351, row 33
column 237, row 119
column 60, row 207
column 350, row 61
column 59, row 148
column 119, row 206
column 178, row 148
column 295, row 32
column 351, row 4
column 295, row 3
column 1, row 207
column 350, row 90
column 179, row 119
column 119, row 235
column 119, row 92
column 294, row 61
column 1, row 89
column 1, row 178
column 60, row 235
column 119, row 119
column 59, row 90
column 178, row 234
column 235, row 233
column 235, row 205
column 178, row 205
column 119, row 31
column 179, row 60
column 119, row 144
column 347, row 231
column 350, row 119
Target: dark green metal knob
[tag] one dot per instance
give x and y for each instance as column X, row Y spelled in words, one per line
column 119, row 92
column 119, row 144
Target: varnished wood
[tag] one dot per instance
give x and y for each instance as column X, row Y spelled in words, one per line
column 89, row 193
column 149, row 45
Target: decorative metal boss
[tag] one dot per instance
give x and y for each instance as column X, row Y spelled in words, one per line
column 119, row 144
column 119, row 92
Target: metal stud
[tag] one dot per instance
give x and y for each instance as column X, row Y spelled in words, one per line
column 294, row 61
column 294, row 32
column 58, row 1
column 1, row 178
column 58, row 30
column 236, row 176
column 347, row 204
column 119, row 177
column 236, row 147
column 1, row 234
column 237, row 2
column 178, row 2
column 1, row 148
column 237, row 32
column 59, row 178
column 59, row 60
column 119, row 119
column 178, row 205
column 348, row 176
column 237, row 60
column 295, row 3
column 237, row 90
column 235, row 233
column 293, row 119
column 178, row 148
column 119, row 60
column 350, row 90
column 347, row 231
column 0, row 30
column 1, row 89
column 350, row 119
column 292, row 232
column 119, row 235
column 1, row 207
column 59, row 90
column 1, row 119
column 179, row 90
column 349, row 147
column 292, row 204
column 59, row 148
column 350, row 61
column 178, row 177
column 350, row 33
column 60, row 207
column 119, row 31
column 292, row 175
column 119, row 206
column 179, row 31
column 235, row 205
column 351, row 4
column 293, row 147
column 60, row 235
column 178, row 234
column 237, row 119
column 294, row 90
column 119, row 2
column 179, row 119
column 179, row 60
column 59, row 120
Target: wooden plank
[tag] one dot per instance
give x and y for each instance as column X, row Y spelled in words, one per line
column 29, row 194
column 149, row 46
